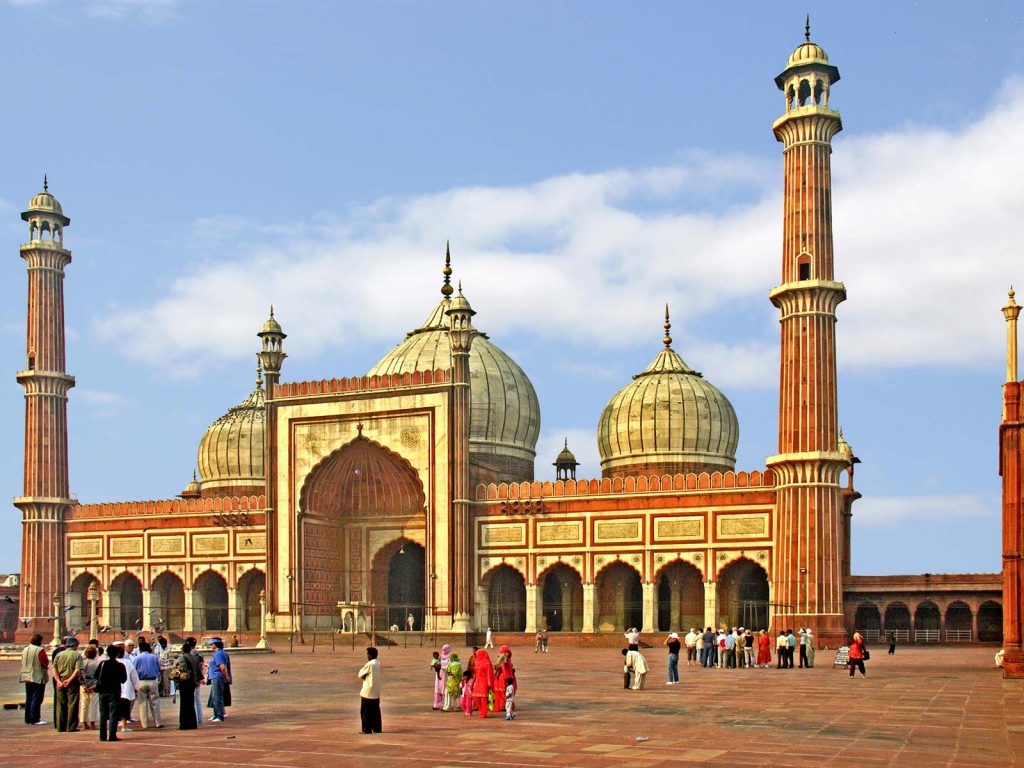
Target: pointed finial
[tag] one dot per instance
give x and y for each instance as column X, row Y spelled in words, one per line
column 807, row 28
column 194, row 478
column 567, row 443
column 259, row 373
column 46, row 183
column 446, row 289
column 271, row 311
column 359, row 428
column 1011, row 294
column 668, row 327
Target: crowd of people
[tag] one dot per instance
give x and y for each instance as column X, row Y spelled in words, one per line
column 97, row 688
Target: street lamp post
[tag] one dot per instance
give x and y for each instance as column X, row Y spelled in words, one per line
column 263, row 621
column 58, row 619
column 94, row 596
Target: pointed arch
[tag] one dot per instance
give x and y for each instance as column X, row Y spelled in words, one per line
column 506, row 598
column 168, row 596
column 619, row 597
column 743, row 594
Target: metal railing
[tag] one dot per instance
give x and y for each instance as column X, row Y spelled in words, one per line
column 959, row 635
column 870, row 634
column 926, row 635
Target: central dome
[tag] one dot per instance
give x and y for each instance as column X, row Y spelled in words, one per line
column 668, row 420
column 504, row 411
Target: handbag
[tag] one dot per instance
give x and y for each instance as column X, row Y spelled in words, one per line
column 867, row 655
column 179, row 675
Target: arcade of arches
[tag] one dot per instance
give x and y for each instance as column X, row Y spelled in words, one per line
column 958, row 620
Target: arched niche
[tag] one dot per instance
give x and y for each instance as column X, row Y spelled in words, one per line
column 168, row 596
column 620, row 598
column 561, row 590
column 126, row 603
column 506, row 599
column 743, row 595
column 680, row 597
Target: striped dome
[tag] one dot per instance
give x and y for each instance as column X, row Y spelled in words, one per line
column 504, row 411
column 231, row 452
column 669, row 419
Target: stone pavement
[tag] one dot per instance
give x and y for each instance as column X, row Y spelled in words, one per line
column 923, row 707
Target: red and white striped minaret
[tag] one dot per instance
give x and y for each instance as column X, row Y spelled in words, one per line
column 46, row 496
column 808, row 577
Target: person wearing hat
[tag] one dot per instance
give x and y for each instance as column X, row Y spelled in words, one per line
column 219, row 674
column 67, row 678
column 673, row 645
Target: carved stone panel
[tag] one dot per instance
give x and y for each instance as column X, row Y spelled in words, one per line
column 503, row 534
column 560, row 533
column 679, row 528
column 754, row 526
column 617, row 531
column 81, row 548
column 167, row 546
column 126, row 547
column 210, row 544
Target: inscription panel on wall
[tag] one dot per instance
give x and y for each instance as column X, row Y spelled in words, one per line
column 503, row 534
column 86, row 548
column 126, row 547
column 210, row 544
column 677, row 528
column 167, row 546
column 560, row 533
column 250, row 542
column 617, row 531
column 754, row 526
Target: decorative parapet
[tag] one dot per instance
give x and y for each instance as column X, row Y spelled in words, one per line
column 168, row 507
column 362, row 383
column 714, row 481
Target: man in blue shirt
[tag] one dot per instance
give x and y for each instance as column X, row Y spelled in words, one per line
column 730, row 650
column 220, row 679
column 147, row 665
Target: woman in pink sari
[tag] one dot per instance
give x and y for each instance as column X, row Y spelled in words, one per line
column 441, row 675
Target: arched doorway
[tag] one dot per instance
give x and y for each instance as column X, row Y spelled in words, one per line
column 927, row 617
column 990, row 622
column 354, row 495
column 620, row 598
column 168, row 602
column 897, row 617
column 210, row 603
column 680, row 597
column 399, row 585
column 126, row 603
column 78, row 601
column 959, row 620
column 506, row 600
column 248, row 589
column 562, row 599
column 868, row 618
column 743, row 595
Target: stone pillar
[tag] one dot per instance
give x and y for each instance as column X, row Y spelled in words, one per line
column 567, row 611
column 710, row 604
column 650, row 604
column 588, row 607
column 675, row 611
column 147, row 609
column 263, row 621
column 531, row 608
column 190, row 621
column 482, row 609
column 106, row 618
column 235, row 605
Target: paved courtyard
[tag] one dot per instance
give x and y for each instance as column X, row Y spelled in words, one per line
column 923, row 707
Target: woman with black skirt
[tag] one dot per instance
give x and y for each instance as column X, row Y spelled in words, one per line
column 110, row 676
column 186, row 678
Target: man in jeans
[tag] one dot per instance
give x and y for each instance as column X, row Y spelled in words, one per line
column 34, row 671
column 220, row 679
column 147, row 664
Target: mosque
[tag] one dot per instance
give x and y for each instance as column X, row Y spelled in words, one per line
column 409, row 496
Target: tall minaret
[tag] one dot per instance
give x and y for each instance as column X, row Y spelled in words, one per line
column 807, row 578
column 46, row 495
column 1011, row 469
column 460, row 335
column 272, row 355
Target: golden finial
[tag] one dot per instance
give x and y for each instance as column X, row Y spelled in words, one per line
column 668, row 327
column 807, row 28
column 271, row 311
column 446, row 289
column 259, row 373
column 567, row 443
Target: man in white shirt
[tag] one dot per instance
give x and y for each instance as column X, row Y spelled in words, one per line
column 690, row 641
column 128, row 688
column 369, row 695
column 633, row 639
column 489, row 640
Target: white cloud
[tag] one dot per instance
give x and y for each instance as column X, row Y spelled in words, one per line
column 147, row 10
column 99, row 397
column 926, row 240
column 882, row 511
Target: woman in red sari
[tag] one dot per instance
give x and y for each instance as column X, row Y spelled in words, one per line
column 764, row 649
column 483, row 680
column 503, row 669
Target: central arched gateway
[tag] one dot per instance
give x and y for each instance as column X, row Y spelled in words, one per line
column 743, row 595
column 357, row 497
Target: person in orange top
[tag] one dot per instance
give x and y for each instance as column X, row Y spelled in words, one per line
column 503, row 670
column 764, row 649
column 483, row 680
column 857, row 655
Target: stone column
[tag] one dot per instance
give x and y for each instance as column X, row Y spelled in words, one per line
column 482, row 609
column 531, row 608
column 263, row 621
column 189, row 614
column 588, row 607
column 235, row 606
column 147, row 609
column 650, row 603
column 566, row 607
column 710, row 604
column 106, row 618
column 675, row 610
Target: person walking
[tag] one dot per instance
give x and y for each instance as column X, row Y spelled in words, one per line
column 858, row 655
column 410, row 623
column 892, row 643
column 489, row 639
column 810, row 647
column 220, row 678
column 369, row 694
column 441, row 675
column 803, row 649
column 110, row 677
column 166, row 656
column 540, row 641
column 35, row 666
column 147, row 665
column 67, row 677
column 185, row 676
column 483, row 681
column 673, row 645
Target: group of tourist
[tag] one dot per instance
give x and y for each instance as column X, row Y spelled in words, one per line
column 741, row 648
column 96, row 688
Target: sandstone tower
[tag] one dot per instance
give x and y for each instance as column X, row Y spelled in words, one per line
column 808, row 584
column 46, row 496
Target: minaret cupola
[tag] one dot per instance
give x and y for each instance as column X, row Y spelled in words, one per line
column 272, row 354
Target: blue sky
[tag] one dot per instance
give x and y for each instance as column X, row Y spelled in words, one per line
column 589, row 162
